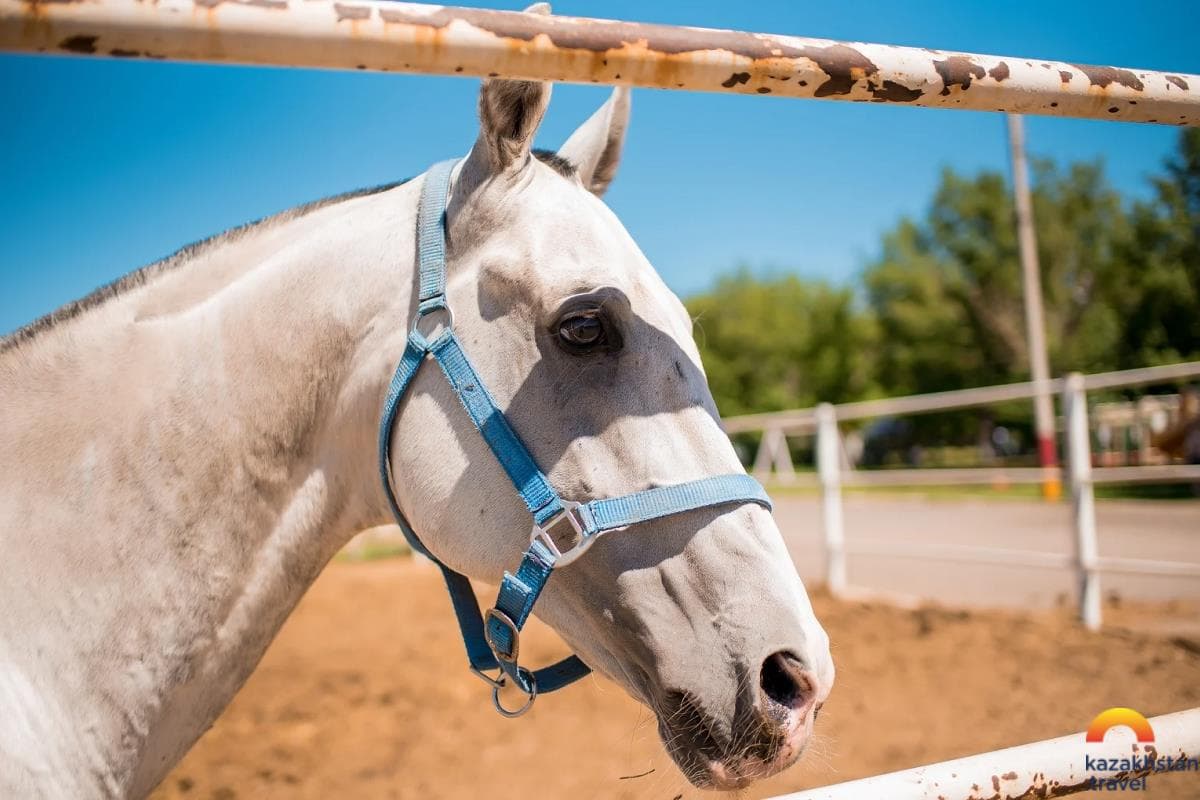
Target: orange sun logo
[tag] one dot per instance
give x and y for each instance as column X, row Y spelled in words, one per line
column 1112, row 717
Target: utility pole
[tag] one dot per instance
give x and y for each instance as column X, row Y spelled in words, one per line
column 1035, row 326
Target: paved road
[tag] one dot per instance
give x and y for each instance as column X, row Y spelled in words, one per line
column 1143, row 529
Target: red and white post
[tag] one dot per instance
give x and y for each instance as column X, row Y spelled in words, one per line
column 1035, row 326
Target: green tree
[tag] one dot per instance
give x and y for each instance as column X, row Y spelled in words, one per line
column 946, row 291
column 944, row 310
column 782, row 342
column 1159, row 299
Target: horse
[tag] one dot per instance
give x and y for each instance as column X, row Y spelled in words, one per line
column 186, row 448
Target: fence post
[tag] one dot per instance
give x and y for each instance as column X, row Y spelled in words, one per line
column 763, row 459
column 829, row 464
column 1083, row 503
column 785, row 471
column 774, row 457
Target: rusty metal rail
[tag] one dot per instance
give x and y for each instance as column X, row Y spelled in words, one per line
column 1052, row 768
column 410, row 37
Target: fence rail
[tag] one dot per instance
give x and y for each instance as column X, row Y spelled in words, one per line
column 998, row 476
column 1050, row 768
column 1082, row 477
column 967, row 476
column 804, row 420
column 969, row 554
column 411, row 37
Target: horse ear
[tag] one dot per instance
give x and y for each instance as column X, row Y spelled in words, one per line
column 509, row 115
column 595, row 147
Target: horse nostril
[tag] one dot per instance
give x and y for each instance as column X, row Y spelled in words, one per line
column 782, row 680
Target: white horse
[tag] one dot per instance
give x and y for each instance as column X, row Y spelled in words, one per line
column 184, row 450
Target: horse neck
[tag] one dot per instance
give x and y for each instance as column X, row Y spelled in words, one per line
column 191, row 455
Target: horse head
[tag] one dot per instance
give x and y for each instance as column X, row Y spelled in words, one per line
column 701, row 615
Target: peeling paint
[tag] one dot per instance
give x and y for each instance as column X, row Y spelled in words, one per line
column 79, row 44
column 345, row 11
column 597, row 35
column 999, row 72
column 1103, row 76
column 275, row 5
column 844, row 65
column 957, row 71
column 892, row 92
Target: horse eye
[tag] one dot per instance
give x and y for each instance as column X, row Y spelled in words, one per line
column 582, row 332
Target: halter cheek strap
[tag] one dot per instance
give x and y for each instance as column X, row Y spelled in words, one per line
column 562, row 530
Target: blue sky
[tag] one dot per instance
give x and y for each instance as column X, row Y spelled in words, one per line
column 108, row 165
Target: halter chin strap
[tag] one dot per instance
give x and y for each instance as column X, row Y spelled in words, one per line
column 562, row 530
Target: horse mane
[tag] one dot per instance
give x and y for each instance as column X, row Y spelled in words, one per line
column 142, row 276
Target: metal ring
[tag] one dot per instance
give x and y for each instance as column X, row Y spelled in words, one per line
column 532, row 695
column 447, row 324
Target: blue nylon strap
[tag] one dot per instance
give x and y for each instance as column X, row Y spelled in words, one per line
column 462, row 596
column 406, row 370
column 517, row 595
column 563, row 673
column 534, row 488
column 431, row 232
column 470, row 621
column 620, row 512
column 519, row 592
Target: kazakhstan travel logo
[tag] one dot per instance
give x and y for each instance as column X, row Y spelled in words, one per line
column 1128, row 773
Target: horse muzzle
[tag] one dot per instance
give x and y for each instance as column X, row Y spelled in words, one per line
column 768, row 732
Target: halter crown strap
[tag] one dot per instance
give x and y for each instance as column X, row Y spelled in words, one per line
column 493, row 640
column 431, row 237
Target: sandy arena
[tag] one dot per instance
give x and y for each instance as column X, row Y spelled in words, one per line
column 365, row 694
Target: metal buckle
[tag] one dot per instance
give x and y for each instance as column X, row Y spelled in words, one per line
column 579, row 518
column 446, row 325
column 503, row 619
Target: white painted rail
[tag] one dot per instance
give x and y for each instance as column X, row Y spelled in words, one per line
column 804, row 420
column 1082, row 477
column 1050, row 768
column 411, row 37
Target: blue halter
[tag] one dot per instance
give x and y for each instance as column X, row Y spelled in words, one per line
column 562, row 529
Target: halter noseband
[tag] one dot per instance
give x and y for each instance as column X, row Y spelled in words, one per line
column 493, row 639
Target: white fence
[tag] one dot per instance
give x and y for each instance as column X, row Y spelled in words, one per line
column 1051, row 768
column 412, row 37
column 774, row 459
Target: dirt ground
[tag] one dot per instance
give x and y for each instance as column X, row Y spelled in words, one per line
column 365, row 694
